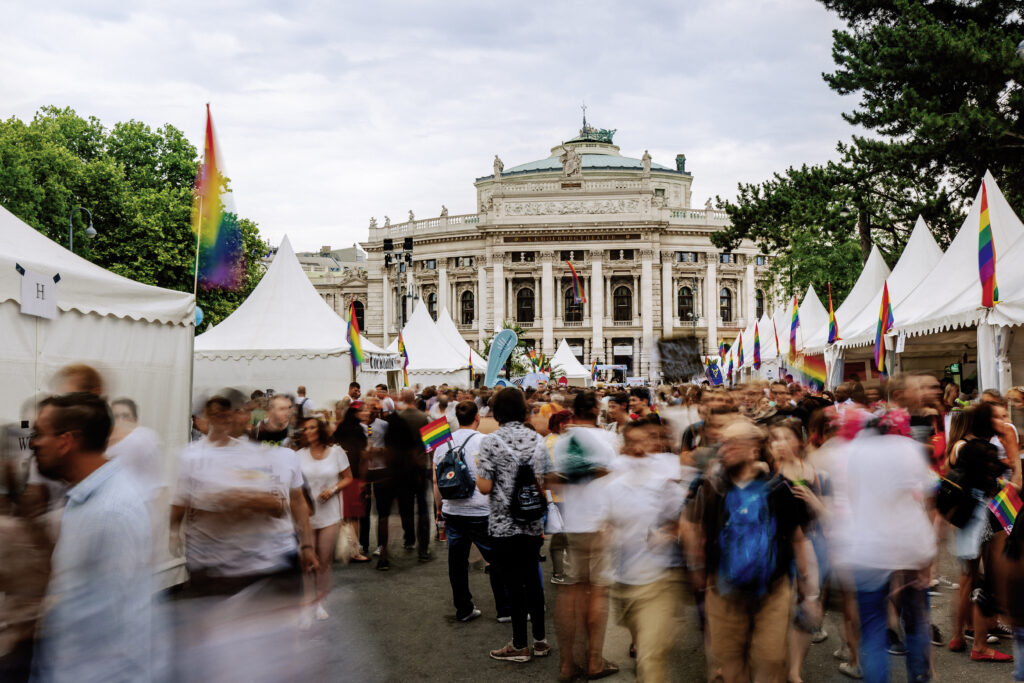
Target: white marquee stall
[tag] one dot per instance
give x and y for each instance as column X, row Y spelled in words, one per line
column 432, row 360
column 565, row 360
column 446, row 327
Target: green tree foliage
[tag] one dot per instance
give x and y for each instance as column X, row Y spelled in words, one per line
column 940, row 91
column 137, row 183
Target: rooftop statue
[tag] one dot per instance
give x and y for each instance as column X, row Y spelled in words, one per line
column 588, row 132
column 498, row 167
column 373, row 222
column 444, row 210
column 572, row 163
column 646, row 159
column 387, row 222
column 412, row 218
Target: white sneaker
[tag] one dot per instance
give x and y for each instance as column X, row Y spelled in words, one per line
column 321, row 613
column 376, row 553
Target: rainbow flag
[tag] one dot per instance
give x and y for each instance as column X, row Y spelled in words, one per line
column 739, row 351
column 792, row 329
column 833, row 326
column 776, row 331
column 578, row 296
column 354, row 342
column 987, row 255
column 730, row 369
column 472, row 376
column 885, row 322
column 593, row 371
column 812, row 368
column 757, row 348
column 436, row 433
column 1005, row 506
column 220, row 250
column 721, row 350
column 405, row 359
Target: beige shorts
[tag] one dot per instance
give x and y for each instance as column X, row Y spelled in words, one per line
column 586, row 559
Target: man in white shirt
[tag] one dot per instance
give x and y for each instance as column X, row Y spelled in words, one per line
column 466, row 519
column 387, row 404
column 305, row 404
column 583, row 455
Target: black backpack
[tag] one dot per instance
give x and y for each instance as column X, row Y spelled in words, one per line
column 527, row 503
column 453, row 479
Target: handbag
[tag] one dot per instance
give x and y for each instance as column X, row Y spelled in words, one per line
column 554, row 523
column 954, row 500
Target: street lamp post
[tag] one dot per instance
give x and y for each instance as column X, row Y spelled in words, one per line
column 89, row 232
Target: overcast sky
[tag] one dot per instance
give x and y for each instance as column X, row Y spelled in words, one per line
column 328, row 113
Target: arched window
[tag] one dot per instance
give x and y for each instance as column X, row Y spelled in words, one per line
column 725, row 303
column 759, row 303
column 685, row 305
column 623, row 302
column 524, row 305
column 467, row 307
column 573, row 310
column 358, row 306
column 432, row 305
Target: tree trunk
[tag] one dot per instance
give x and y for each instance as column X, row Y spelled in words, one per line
column 864, row 233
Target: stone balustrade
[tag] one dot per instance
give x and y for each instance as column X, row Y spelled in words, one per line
column 424, row 228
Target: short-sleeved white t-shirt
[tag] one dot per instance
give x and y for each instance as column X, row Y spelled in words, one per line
column 583, row 508
column 477, row 505
column 320, row 475
column 225, row 544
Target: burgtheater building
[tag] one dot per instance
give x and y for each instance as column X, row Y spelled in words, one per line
column 642, row 252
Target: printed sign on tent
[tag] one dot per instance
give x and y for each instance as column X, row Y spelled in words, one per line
column 38, row 294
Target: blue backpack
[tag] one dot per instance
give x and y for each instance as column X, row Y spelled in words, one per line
column 747, row 541
column 453, row 479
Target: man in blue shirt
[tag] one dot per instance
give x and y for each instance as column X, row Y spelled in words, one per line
column 98, row 623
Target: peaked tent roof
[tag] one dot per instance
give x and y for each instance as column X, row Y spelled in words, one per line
column 950, row 295
column 870, row 281
column 427, row 349
column 283, row 317
column 812, row 316
column 567, row 362
column 918, row 259
column 766, row 332
column 84, row 286
column 446, row 327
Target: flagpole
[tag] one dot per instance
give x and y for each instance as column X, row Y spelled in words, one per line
column 199, row 232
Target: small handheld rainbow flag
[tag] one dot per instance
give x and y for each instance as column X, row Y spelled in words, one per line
column 757, row 348
column 593, row 371
column 792, row 329
column 436, row 433
column 405, row 359
column 220, row 250
column 885, row 322
column 739, row 352
column 833, row 326
column 578, row 296
column 987, row 255
column 354, row 342
column 1006, row 506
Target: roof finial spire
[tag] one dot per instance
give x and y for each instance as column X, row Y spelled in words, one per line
column 584, row 108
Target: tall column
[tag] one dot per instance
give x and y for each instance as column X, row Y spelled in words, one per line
column 442, row 291
column 559, row 303
column 481, row 300
column 751, row 309
column 597, row 290
column 547, row 303
column 636, row 295
column 711, row 301
column 647, row 309
column 511, row 315
column 607, row 312
column 666, row 294
column 499, row 292
column 386, row 307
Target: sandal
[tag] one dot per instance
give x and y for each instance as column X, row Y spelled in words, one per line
column 608, row 669
column 360, row 558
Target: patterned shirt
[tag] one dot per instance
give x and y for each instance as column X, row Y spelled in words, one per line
column 501, row 453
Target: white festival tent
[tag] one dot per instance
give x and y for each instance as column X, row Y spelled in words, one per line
column 284, row 334
column 432, row 360
column 946, row 304
column 769, row 358
column 565, row 360
column 812, row 316
column 869, row 282
column 447, row 328
column 138, row 337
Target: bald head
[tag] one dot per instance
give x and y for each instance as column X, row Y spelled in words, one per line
column 408, row 397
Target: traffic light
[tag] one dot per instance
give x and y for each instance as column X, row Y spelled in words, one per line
column 407, row 244
column 388, row 244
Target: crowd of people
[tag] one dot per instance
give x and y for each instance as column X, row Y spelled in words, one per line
column 741, row 513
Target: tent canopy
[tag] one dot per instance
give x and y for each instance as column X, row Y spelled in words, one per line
column 812, row 316
column 567, row 362
column 446, row 327
column 84, row 286
column 426, row 347
column 870, row 282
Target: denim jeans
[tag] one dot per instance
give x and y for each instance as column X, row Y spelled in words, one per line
column 911, row 599
column 463, row 533
column 1018, row 653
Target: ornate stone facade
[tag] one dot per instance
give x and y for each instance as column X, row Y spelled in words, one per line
column 643, row 254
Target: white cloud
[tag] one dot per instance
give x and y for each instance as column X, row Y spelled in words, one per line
column 328, row 115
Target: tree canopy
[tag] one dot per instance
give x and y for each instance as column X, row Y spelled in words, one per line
column 941, row 99
column 137, row 183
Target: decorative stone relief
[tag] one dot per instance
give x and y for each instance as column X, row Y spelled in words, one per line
column 570, row 207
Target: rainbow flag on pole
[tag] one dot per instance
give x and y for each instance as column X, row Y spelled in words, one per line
column 436, row 433
column 739, row 352
column 812, row 369
column 593, row 371
column 885, row 322
column 220, row 250
column 833, row 326
column 775, row 329
column 1005, row 506
column 987, row 255
column 405, row 359
column 757, row 348
column 792, row 329
column 354, row 342
column 472, row 376
column 578, row 296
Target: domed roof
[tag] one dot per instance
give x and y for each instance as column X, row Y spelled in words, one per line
column 592, row 161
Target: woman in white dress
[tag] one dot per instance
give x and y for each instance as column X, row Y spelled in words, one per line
column 326, row 469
